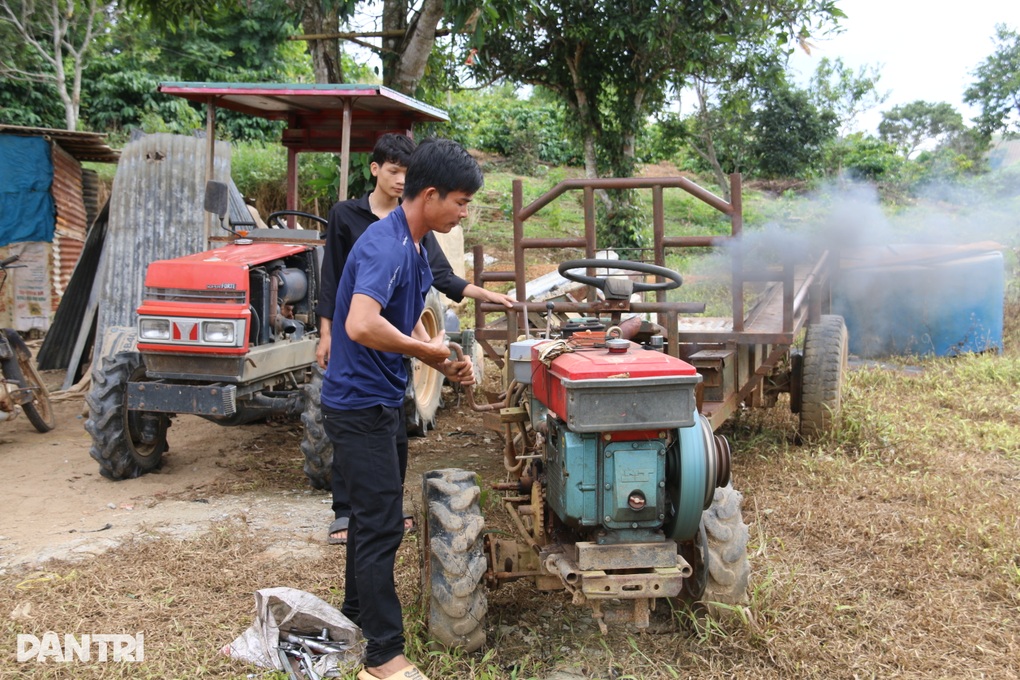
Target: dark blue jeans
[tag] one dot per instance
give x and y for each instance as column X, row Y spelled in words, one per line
column 370, row 450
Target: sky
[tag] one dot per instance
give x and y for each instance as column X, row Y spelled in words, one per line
column 924, row 50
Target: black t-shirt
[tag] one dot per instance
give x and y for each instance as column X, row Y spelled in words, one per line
column 348, row 220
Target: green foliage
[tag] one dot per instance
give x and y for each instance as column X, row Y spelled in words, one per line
column 790, row 133
column 622, row 224
column 260, row 172
column 230, row 44
column 255, row 165
column 525, row 131
column 909, row 125
column 843, row 93
column 25, row 103
column 30, row 104
column 997, row 88
column 662, row 139
column 864, row 157
column 613, row 63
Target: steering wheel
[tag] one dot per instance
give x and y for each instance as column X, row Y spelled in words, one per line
column 274, row 220
column 617, row 288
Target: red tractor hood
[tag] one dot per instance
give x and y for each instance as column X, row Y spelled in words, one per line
column 224, row 268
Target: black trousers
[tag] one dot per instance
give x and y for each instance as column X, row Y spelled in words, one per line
column 338, row 488
column 370, row 448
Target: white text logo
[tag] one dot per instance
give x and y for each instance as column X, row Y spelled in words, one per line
column 83, row 648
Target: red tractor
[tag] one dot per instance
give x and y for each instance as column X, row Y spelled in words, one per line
column 229, row 334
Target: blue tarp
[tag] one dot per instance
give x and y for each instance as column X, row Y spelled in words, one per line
column 27, row 211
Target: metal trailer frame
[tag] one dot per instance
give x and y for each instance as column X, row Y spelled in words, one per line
column 738, row 356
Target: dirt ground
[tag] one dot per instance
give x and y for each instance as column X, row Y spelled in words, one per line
column 57, row 505
column 873, row 556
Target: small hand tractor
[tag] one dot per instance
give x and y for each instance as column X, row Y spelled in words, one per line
column 618, row 488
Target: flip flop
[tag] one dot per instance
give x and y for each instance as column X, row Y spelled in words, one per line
column 407, row 673
column 339, row 524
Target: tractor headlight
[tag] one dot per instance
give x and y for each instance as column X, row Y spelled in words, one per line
column 218, row 332
column 154, row 329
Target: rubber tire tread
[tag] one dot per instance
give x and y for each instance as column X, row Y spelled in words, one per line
column 453, row 552
column 111, row 446
column 729, row 570
column 315, row 445
column 825, row 360
column 420, row 409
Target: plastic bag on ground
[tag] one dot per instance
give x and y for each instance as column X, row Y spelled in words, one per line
column 295, row 611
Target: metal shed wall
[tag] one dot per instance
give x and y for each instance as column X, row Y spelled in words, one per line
column 156, row 213
column 53, row 271
column 72, row 220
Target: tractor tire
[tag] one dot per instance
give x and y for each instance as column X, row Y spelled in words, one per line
column 39, row 411
column 125, row 443
column 315, row 445
column 825, row 360
column 726, row 535
column 424, row 393
column 453, row 559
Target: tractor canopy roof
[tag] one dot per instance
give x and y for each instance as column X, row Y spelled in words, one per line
column 315, row 112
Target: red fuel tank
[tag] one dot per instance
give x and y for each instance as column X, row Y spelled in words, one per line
column 597, row 389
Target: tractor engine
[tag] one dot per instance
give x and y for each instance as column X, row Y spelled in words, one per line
column 628, row 467
column 621, row 429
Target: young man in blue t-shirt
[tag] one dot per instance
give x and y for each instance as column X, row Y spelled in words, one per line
column 348, row 221
column 378, row 304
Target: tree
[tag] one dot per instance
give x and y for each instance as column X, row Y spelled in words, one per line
column 60, row 34
column 997, row 88
column 717, row 130
column 230, row 44
column 845, row 93
column 22, row 102
column 613, row 61
column 720, row 130
column 789, row 133
column 908, row 126
column 408, row 34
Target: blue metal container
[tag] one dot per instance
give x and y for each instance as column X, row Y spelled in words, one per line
column 921, row 300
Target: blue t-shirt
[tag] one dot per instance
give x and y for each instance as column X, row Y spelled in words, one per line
column 385, row 265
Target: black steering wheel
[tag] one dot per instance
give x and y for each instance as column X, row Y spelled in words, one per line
column 620, row 288
column 275, row 221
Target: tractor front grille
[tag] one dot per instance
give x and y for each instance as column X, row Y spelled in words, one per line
column 218, row 295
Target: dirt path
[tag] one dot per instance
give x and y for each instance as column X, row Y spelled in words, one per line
column 57, row 505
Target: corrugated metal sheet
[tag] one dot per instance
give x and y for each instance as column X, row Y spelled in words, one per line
column 69, row 333
column 85, row 146
column 156, row 213
column 67, row 194
column 66, row 251
column 90, row 189
column 72, row 221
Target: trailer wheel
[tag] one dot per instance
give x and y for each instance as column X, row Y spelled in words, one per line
column 315, row 445
column 425, row 384
column 39, row 411
column 719, row 554
column 453, row 560
column 825, row 360
column 125, row 443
